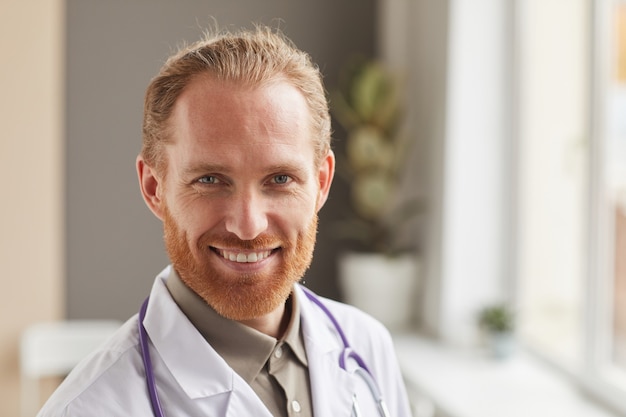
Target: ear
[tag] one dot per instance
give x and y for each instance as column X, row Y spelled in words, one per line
column 325, row 178
column 151, row 187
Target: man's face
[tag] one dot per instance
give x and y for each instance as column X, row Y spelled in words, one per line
column 240, row 194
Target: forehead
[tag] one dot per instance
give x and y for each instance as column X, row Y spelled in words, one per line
column 206, row 102
column 214, row 118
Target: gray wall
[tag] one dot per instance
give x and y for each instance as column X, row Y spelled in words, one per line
column 114, row 244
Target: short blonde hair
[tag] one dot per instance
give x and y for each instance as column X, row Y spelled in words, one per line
column 249, row 57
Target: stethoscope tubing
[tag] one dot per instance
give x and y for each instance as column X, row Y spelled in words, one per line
column 347, row 349
column 147, row 363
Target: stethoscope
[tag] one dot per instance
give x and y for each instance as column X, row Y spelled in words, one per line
column 362, row 371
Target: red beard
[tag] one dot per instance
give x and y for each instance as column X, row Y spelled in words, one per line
column 239, row 296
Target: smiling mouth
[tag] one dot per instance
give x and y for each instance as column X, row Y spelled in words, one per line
column 243, row 257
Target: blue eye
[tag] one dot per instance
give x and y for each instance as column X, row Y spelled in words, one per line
column 281, row 179
column 208, row 179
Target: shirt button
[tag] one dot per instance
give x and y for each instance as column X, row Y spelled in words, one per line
column 296, row 406
column 278, row 352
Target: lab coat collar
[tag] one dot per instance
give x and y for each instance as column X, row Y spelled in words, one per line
column 332, row 387
column 246, row 350
column 194, row 364
column 180, row 346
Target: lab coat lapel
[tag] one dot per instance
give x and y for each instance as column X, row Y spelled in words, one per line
column 203, row 375
column 245, row 402
column 332, row 387
column 192, row 361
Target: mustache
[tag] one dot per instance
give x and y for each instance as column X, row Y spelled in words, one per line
column 261, row 242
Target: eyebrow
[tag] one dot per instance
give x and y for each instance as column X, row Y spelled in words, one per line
column 198, row 169
column 216, row 168
column 287, row 168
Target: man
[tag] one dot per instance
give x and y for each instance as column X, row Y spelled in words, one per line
column 236, row 162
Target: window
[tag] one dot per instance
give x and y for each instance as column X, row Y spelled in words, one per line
column 571, row 219
column 553, row 150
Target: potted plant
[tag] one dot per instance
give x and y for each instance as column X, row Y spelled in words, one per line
column 498, row 322
column 369, row 107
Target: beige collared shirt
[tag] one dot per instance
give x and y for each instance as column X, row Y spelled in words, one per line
column 277, row 370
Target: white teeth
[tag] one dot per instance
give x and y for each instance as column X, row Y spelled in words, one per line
column 245, row 258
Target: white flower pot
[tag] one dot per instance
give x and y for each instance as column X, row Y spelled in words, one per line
column 501, row 344
column 383, row 286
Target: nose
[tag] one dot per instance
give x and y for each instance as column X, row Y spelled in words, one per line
column 247, row 215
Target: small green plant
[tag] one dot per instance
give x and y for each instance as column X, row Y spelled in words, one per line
column 497, row 318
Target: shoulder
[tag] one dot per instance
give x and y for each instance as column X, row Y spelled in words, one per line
column 92, row 383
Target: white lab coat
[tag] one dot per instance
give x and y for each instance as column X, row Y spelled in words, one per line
column 193, row 380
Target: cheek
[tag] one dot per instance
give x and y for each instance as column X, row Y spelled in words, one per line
column 194, row 218
column 294, row 217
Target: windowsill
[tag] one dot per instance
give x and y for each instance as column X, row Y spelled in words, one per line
column 468, row 383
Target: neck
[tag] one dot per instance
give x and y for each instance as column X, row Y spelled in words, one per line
column 274, row 323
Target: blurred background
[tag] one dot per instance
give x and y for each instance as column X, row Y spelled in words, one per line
column 515, row 111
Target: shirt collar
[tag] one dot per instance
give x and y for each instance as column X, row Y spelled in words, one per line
column 293, row 335
column 245, row 349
